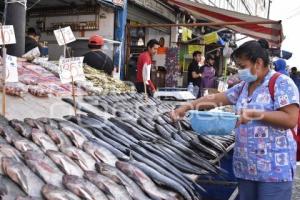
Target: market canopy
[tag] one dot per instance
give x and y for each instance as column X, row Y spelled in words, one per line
column 270, row 31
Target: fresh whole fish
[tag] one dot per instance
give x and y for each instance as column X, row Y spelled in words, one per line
column 24, row 145
column 59, row 138
column 9, row 134
column 52, row 192
column 23, row 176
column 119, row 177
column 8, row 189
column 83, row 188
column 100, row 153
column 43, row 140
column 161, row 179
column 8, row 151
column 30, row 122
column 44, row 167
column 119, row 154
column 75, row 135
column 21, row 127
column 143, row 181
column 84, row 160
column 107, row 185
column 66, row 164
column 28, row 198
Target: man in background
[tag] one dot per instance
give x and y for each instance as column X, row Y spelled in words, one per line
column 32, row 40
column 96, row 58
column 144, row 65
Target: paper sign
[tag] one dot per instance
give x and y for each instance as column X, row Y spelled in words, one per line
column 9, row 35
column 64, row 36
column 193, row 48
column 11, row 69
column 33, row 53
column 69, row 67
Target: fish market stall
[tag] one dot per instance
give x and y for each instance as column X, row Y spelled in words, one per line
column 135, row 152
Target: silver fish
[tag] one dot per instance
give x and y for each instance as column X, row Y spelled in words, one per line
column 24, row 145
column 59, row 138
column 52, row 192
column 84, row 160
column 9, row 151
column 44, row 167
column 21, row 127
column 118, row 192
column 100, row 153
column 9, row 134
column 28, row 198
column 66, row 164
column 23, row 176
column 119, row 177
column 83, row 188
column 144, row 181
column 75, row 135
column 43, row 140
column 8, row 189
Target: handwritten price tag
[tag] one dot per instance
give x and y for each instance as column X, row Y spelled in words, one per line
column 11, row 69
column 69, row 67
column 8, row 35
column 64, row 36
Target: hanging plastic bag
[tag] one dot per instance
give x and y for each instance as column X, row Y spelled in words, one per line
column 227, row 51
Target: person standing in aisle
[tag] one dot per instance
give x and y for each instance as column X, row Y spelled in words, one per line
column 264, row 159
column 208, row 72
column 96, row 58
column 32, row 40
column 194, row 73
column 280, row 66
column 144, row 68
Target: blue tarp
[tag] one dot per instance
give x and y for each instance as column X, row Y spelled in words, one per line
column 121, row 20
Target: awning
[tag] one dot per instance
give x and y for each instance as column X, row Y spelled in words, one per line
column 271, row 32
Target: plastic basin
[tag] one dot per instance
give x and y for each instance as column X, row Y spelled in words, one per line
column 212, row 123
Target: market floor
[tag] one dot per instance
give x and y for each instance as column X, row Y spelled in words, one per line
column 296, row 192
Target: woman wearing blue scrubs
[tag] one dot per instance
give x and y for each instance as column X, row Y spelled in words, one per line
column 264, row 159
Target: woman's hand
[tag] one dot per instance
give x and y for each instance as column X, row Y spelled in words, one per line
column 247, row 115
column 179, row 113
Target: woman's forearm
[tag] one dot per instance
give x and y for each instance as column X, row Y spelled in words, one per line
column 208, row 102
column 278, row 119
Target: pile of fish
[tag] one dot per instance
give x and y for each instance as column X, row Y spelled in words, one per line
column 106, row 82
column 97, row 82
column 139, row 154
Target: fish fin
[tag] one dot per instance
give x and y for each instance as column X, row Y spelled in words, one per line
column 22, row 179
column 85, row 194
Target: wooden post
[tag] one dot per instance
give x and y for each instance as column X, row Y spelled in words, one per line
column 73, row 95
column 3, row 72
column 73, row 84
column 146, row 94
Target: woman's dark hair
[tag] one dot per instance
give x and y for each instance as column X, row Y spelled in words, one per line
column 252, row 50
column 210, row 56
column 151, row 43
column 196, row 53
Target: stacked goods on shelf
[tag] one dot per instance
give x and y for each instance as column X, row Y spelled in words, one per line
column 172, row 67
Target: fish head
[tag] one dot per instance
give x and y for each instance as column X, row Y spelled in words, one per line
column 48, row 188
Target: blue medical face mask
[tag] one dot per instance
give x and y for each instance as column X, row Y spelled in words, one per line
column 246, row 75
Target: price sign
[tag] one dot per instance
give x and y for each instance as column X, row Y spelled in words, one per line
column 11, row 69
column 64, row 36
column 69, row 67
column 33, row 53
column 8, row 35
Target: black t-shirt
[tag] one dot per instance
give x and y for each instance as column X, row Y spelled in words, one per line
column 194, row 67
column 100, row 61
column 30, row 44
